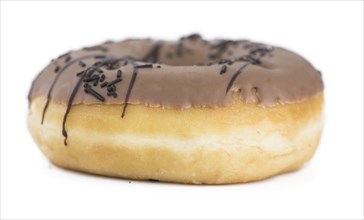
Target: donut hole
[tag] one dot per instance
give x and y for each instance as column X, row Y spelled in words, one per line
column 195, row 52
column 202, row 53
column 184, row 56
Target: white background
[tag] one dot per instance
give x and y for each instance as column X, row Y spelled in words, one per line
column 329, row 34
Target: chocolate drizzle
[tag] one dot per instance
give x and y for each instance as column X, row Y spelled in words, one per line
column 69, row 104
column 252, row 58
column 87, row 76
column 233, row 78
column 55, row 81
column 130, row 87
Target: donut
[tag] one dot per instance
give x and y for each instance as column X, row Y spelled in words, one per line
column 190, row 111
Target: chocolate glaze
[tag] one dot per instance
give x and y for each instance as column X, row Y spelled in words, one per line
column 192, row 72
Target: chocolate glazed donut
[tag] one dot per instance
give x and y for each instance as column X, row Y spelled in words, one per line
column 191, row 111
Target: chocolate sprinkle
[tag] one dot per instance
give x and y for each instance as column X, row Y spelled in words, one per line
column 145, row 66
column 96, row 82
column 110, row 88
column 112, row 94
column 57, row 69
column 80, row 73
column 92, row 78
column 102, row 78
column 103, row 84
column 221, row 47
column 118, row 74
column 68, row 58
column 223, row 69
column 82, row 64
column 89, row 90
column 115, row 81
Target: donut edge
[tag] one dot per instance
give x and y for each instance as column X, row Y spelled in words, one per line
column 222, row 165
